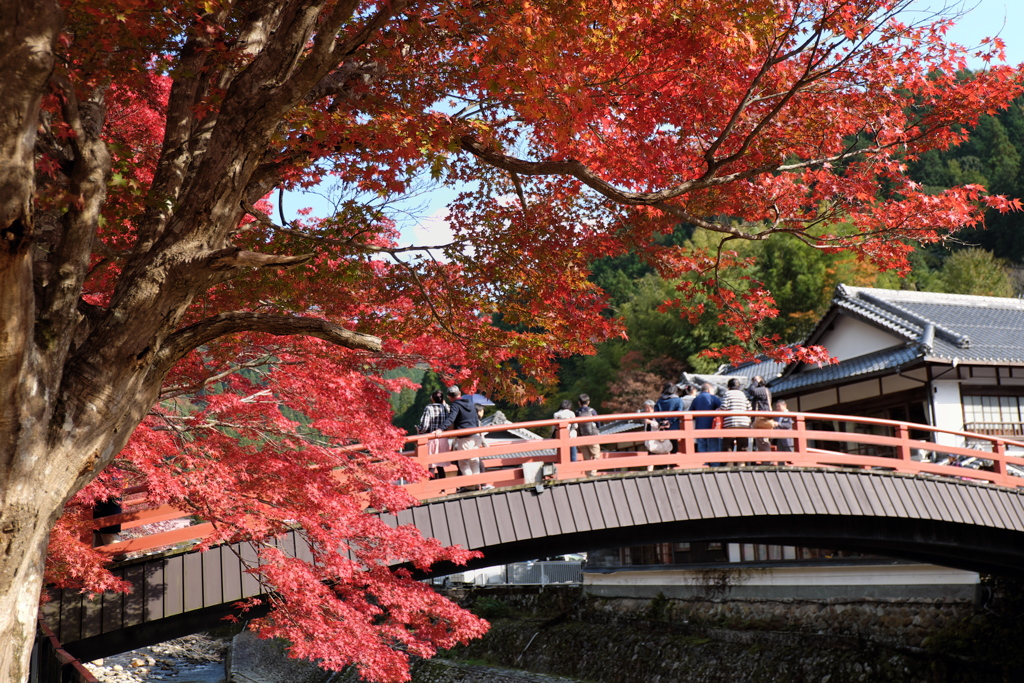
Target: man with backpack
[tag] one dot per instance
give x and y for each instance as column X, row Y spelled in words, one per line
column 590, row 451
column 761, row 400
column 463, row 415
column 669, row 402
column 760, row 395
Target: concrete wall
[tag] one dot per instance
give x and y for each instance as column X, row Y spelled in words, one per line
column 810, row 582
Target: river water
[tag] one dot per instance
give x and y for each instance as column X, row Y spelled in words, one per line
column 192, row 659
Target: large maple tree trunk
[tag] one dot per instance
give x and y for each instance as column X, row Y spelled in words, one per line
column 29, row 501
column 27, row 520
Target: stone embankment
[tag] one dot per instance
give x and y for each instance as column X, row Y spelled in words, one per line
column 706, row 640
column 559, row 635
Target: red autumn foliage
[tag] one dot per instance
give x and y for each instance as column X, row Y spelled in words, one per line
column 159, row 298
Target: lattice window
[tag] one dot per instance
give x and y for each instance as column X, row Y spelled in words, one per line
column 994, row 414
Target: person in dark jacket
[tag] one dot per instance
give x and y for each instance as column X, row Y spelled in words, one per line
column 784, row 445
column 462, row 414
column 760, row 399
column 759, row 394
column 706, row 400
column 669, row 402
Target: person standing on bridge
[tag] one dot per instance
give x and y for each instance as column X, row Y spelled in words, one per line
column 590, row 451
column 761, row 400
column 434, row 415
column 706, row 400
column 783, row 445
column 735, row 401
column 689, row 393
column 463, row 415
column 564, row 412
column 669, row 402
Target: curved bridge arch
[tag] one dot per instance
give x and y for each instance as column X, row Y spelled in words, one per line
column 966, row 524
column 954, row 523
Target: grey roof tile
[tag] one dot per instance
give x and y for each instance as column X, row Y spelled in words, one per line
column 863, row 366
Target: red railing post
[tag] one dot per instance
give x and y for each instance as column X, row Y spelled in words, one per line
column 799, row 441
column 903, row 448
column 686, row 443
column 422, row 448
column 999, row 461
column 563, row 447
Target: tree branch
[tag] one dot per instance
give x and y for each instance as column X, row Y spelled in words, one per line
column 192, row 337
column 233, row 258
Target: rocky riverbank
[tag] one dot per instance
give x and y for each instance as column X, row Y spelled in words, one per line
column 192, row 659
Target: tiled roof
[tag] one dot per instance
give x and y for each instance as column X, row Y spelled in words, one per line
column 863, row 366
column 969, row 328
column 950, row 328
column 767, row 368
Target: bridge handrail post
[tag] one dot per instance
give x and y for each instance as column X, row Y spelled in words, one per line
column 686, row 443
column 564, row 446
column 999, row 461
column 423, row 448
column 799, row 427
column 903, row 449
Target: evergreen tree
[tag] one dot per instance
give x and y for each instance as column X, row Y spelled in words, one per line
column 975, row 271
column 409, row 416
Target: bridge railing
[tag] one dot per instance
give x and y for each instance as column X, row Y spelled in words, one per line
column 537, row 573
column 51, row 663
column 850, row 442
column 866, row 443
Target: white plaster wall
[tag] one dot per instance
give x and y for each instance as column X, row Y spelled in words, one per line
column 947, row 411
column 850, row 338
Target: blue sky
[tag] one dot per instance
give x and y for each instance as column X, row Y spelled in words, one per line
column 986, row 18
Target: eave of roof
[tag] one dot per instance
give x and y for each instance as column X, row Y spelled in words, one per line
column 863, row 367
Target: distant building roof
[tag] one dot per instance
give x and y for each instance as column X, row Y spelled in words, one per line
column 939, row 328
column 766, row 368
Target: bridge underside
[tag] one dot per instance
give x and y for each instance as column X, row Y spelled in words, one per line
column 941, row 521
column 924, row 541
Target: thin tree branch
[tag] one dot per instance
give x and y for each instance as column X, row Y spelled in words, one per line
column 192, row 337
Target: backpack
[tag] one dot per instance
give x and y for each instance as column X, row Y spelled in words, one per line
column 760, row 399
column 587, row 428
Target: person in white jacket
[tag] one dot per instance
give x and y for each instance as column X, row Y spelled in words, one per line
column 565, row 412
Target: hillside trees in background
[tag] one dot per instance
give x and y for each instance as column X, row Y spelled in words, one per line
column 162, row 322
column 993, row 157
column 975, row 271
column 407, row 417
column 659, row 344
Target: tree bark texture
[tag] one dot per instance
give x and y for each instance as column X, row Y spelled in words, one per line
column 28, row 505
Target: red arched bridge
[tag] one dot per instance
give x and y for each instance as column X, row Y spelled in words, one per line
column 876, row 485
